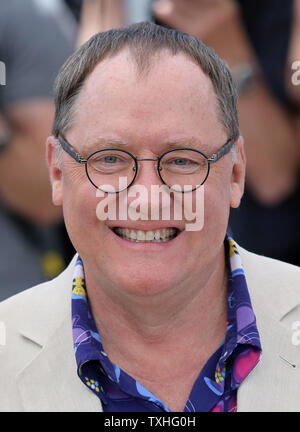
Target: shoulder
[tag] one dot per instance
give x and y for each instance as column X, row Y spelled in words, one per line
column 268, row 269
column 33, row 315
column 38, row 301
column 274, row 287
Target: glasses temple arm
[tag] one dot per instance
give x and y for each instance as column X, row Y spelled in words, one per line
column 71, row 151
column 222, row 152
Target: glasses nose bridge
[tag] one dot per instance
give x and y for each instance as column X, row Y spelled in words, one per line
column 148, row 160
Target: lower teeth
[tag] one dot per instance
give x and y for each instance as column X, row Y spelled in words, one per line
column 146, row 241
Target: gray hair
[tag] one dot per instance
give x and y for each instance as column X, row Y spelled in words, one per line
column 143, row 40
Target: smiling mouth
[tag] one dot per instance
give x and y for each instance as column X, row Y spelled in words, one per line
column 154, row 236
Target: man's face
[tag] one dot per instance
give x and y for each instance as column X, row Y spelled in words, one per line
column 173, row 103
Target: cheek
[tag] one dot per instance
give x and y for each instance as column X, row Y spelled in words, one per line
column 79, row 208
column 218, row 186
column 216, row 209
column 206, row 241
column 77, row 192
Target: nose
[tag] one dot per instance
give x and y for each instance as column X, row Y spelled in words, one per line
column 142, row 193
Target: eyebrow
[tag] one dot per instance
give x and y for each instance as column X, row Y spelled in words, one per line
column 183, row 142
column 103, row 143
column 191, row 142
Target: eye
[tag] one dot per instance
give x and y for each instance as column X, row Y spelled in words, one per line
column 103, row 158
column 110, row 161
column 182, row 162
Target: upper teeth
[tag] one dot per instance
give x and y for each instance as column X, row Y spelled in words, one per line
column 157, row 235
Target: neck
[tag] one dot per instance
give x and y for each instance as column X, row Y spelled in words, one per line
column 191, row 315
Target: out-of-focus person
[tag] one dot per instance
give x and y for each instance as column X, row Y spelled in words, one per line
column 292, row 77
column 256, row 38
column 36, row 36
column 100, row 15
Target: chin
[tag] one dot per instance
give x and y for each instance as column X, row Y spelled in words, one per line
column 143, row 283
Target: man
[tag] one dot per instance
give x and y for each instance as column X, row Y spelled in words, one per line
column 160, row 317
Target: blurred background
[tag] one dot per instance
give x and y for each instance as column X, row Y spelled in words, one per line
column 259, row 40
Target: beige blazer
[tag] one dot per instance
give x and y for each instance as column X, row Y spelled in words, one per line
column 37, row 363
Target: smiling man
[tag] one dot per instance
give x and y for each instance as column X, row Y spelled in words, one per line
column 150, row 316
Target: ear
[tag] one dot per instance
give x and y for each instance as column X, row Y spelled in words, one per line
column 54, row 170
column 238, row 174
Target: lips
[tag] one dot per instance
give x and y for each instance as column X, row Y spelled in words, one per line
column 149, row 236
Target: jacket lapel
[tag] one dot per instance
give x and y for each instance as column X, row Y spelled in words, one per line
column 64, row 391
column 50, row 381
column 274, row 385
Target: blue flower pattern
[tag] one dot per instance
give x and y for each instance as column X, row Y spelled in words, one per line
column 216, row 386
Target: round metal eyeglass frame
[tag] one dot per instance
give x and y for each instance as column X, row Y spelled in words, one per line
column 68, row 148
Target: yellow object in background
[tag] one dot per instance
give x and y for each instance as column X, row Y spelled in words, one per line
column 52, row 264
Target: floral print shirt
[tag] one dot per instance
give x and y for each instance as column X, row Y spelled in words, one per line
column 215, row 389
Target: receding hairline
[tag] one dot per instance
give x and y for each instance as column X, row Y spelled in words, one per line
column 143, row 70
column 145, row 66
column 141, row 73
column 145, row 42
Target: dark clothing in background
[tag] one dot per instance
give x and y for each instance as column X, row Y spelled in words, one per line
column 75, row 7
column 269, row 230
column 36, row 37
column 29, row 253
column 269, row 24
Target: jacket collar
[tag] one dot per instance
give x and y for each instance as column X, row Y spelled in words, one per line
column 271, row 287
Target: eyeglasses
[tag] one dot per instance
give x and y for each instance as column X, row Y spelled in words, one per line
column 181, row 169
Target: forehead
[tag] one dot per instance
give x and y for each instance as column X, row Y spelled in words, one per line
column 164, row 72
column 172, row 95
